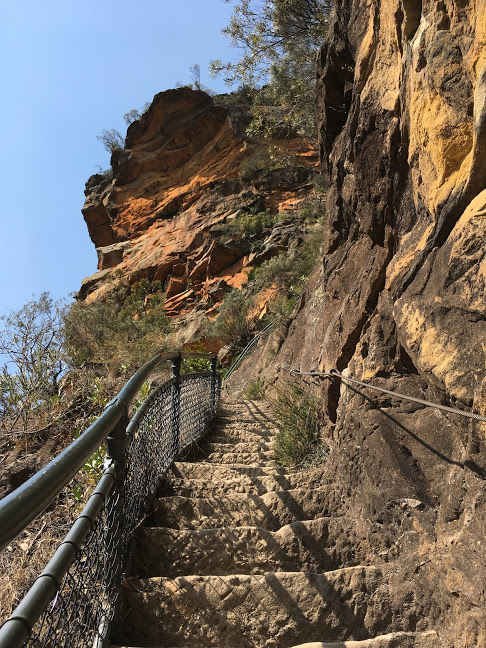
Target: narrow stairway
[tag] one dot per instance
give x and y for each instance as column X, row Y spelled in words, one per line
column 244, row 554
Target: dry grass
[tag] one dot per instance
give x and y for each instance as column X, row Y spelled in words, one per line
column 25, row 557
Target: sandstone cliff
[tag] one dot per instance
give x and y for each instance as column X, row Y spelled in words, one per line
column 163, row 213
column 399, row 298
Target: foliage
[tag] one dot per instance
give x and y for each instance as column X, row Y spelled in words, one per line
column 279, row 40
column 268, row 159
column 134, row 114
column 290, row 269
column 256, row 390
column 250, row 223
column 145, row 390
column 191, row 365
column 111, row 139
column 296, row 413
column 31, row 341
column 127, row 327
column 233, row 323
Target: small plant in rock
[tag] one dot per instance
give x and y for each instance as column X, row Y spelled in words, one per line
column 111, row 139
column 256, row 390
column 290, row 269
column 233, row 324
column 296, row 412
column 249, row 223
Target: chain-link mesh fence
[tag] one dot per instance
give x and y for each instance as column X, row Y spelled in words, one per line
column 78, row 616
column 85, row 603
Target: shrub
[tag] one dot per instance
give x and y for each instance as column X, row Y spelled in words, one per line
column 270, row 158
column 31, row 342
column 296, row 412
column 190, row 365
column 290, row 269
column 249, row 223
column 112, row 140
column 126, row 328
column 256, row 390
column 233, row 323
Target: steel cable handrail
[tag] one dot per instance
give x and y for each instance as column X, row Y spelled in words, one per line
column 334, row 373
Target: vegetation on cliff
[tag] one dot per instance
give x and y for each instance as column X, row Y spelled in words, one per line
column 279, row 40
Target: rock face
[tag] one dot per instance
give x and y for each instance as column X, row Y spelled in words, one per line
column 399, row 298
column 163, row 213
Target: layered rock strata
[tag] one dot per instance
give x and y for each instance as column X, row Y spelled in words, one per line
column 163, row 212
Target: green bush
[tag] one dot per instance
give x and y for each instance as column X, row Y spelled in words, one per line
column 249, row 223
column 233, row 323
column 126, row 328
column 290, row 269
column 256, row 390
column 296, row 411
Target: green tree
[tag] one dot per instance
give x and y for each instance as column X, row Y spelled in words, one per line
column 31, row 342
column 111, row 139
column 278, row 40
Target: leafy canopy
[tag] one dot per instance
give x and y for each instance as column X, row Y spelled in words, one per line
column 278, row 40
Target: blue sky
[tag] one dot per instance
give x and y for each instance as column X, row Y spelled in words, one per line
column 68, row 70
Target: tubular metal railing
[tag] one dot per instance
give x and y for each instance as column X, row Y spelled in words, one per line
column 75, row 600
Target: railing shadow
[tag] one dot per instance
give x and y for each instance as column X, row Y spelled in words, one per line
column 440, row 455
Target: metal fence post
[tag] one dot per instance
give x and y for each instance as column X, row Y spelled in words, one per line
column 115, row 508
column 214, row 386
column 176, row 402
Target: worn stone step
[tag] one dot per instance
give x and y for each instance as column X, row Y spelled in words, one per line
column 171, row 485
column 204, row 470
column 237, row 433
column 261, row 447
column 270, row 511
column 429, row 639
column 247, row 458
column 239, row 437
column 320, row 545
column 393, row 640
column 271, row 610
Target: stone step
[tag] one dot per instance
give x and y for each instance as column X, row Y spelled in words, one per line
column 240, row 447
column 313, row 546
column 247, row 458
column 428, row 639
column 270, row 511
column 198, row 470
column 268, row 611
column 171, row 485
column 239, row 437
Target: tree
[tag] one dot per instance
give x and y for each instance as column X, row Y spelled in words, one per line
column 31, row 342
column 131, row 116
column 279, row 40
column 112, row 139
column 195, row 71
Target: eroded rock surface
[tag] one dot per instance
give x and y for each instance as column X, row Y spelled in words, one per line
column 163, row 214
column 399, row 298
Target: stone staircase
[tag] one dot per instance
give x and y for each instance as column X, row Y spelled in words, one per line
column 244, row 554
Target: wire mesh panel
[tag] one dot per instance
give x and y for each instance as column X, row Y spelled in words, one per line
column 79, row 613
column 195, row 408
column 150, row 454
column 86, row 601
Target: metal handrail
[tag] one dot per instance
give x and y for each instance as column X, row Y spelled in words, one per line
column 24, row 504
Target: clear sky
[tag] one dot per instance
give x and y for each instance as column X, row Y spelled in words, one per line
column 68, row 70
